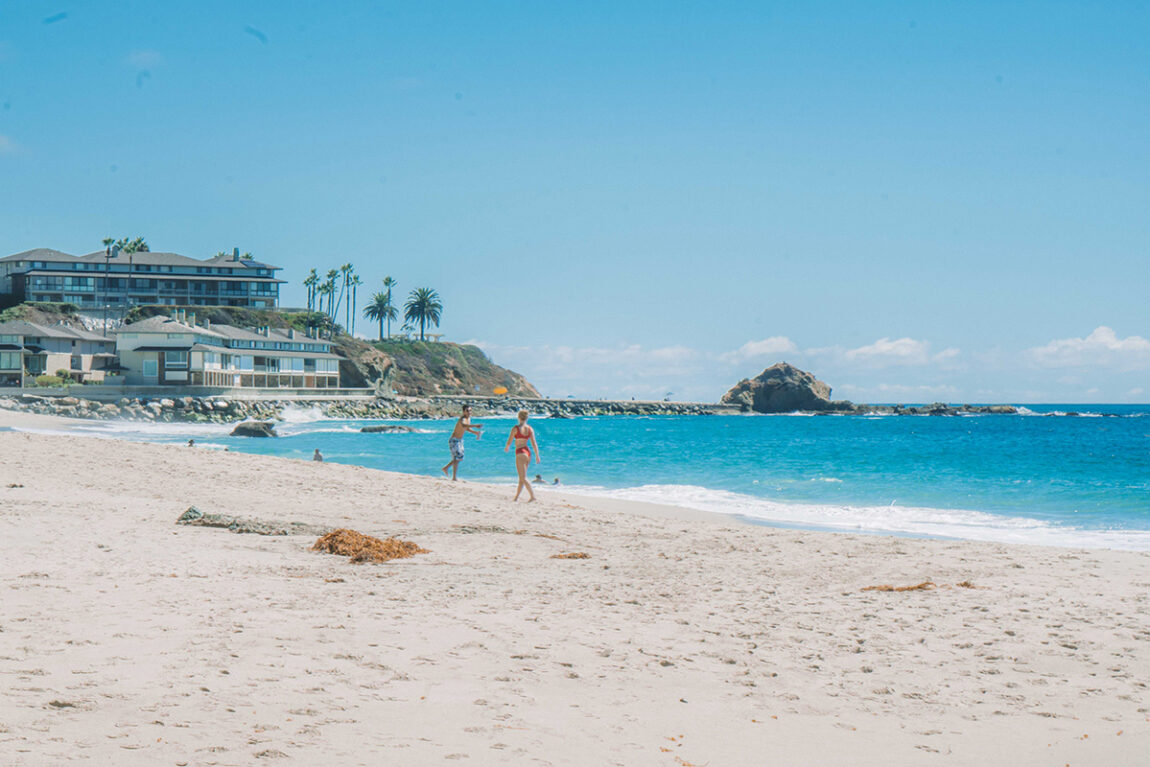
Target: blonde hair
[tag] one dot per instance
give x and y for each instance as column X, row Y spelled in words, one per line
column 522, row 415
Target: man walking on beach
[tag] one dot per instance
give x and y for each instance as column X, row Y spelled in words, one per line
column 462, row 426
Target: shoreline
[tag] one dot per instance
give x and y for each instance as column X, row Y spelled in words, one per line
column 132, row 640
column 699, row 503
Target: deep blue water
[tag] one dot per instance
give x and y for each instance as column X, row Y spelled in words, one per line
column 1039, row 477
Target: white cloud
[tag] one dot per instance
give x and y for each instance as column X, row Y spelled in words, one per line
column 624, row 370
column 1102, row 347
column 946, row 356
column 907, row 392
column 7, row 145
column 1137, row 390
column 145, row 59
column 768, row 347
column 903, row 351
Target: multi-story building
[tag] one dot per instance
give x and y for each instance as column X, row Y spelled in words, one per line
column 30, row 349
column 177, row 351
column 118, row 280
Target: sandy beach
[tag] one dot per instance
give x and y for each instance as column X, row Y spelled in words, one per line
column 681, row 639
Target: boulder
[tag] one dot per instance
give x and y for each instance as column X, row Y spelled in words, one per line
column 783, row 388
column 387, row 429
column 254, row 429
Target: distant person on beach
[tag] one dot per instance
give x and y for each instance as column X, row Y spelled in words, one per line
column 317, row 456
column 556, row 482
column 455, row 443
column 191, row 443
column 538, row 478
column 524, row 438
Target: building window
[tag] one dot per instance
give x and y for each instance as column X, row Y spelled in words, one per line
column 150, row 367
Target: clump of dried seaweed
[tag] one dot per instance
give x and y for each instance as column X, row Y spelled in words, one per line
column 572, row 555
column 924, row 586
column 365, row 548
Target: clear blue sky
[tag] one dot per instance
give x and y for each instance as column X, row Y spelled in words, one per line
column 916, row 201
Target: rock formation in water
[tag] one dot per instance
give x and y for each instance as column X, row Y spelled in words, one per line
column 783, row 388
column 254, row 429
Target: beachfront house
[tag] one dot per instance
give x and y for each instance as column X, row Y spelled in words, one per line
column 31, row 349
column 114, row 281
column 179, row 351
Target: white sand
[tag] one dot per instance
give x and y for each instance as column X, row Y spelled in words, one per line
column 683, row 640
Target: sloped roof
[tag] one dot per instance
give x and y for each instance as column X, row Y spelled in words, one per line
column 143, row 257
column 38, row 254
column 161, row 324
column 171, row 259
column 25, row 328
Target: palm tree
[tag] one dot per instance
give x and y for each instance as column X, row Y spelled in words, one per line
column 380, row 309
column 108, row 243
column 137, row 245
column 325, row 289
column 423, row 306
column 354, row 282
column 310, row 282
column 389, row 283
column 345, row 272
column 332, row 276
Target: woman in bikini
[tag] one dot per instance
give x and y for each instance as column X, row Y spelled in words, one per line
column 524, row 438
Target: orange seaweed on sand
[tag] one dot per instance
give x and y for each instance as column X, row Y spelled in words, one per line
column 572, row 555
column 365, row 548
column 924, row 586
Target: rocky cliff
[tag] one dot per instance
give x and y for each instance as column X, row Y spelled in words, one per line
column 418, row 368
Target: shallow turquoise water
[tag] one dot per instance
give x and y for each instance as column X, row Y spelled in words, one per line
column 1035, row 477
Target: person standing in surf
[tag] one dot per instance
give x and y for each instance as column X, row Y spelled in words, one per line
column 524, row 438
column 455, row 443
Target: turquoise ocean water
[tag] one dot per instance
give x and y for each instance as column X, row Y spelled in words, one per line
column 1041, row 477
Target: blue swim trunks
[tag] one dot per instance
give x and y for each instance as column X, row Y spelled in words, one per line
column 456, row 445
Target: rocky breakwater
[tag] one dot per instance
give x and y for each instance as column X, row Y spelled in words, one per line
column 566, row 408
column 783, row 388
column 161, row 409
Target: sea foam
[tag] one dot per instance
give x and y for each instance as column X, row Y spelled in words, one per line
column 884, row 520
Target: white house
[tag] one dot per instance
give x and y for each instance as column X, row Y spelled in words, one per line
column 178, row 351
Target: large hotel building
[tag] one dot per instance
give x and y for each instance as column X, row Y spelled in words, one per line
column 117, row 280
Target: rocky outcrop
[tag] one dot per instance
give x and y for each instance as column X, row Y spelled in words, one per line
column 783, row 388
column 254, row 429
column 417, row 369
column 387, row 428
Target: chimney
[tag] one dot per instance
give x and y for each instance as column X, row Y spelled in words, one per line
column 264, row 330
column 207, row 323
column 235, row 254
column 291, row 332
column 193, row 322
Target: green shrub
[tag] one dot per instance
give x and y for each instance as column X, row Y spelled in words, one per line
column 47, row 380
